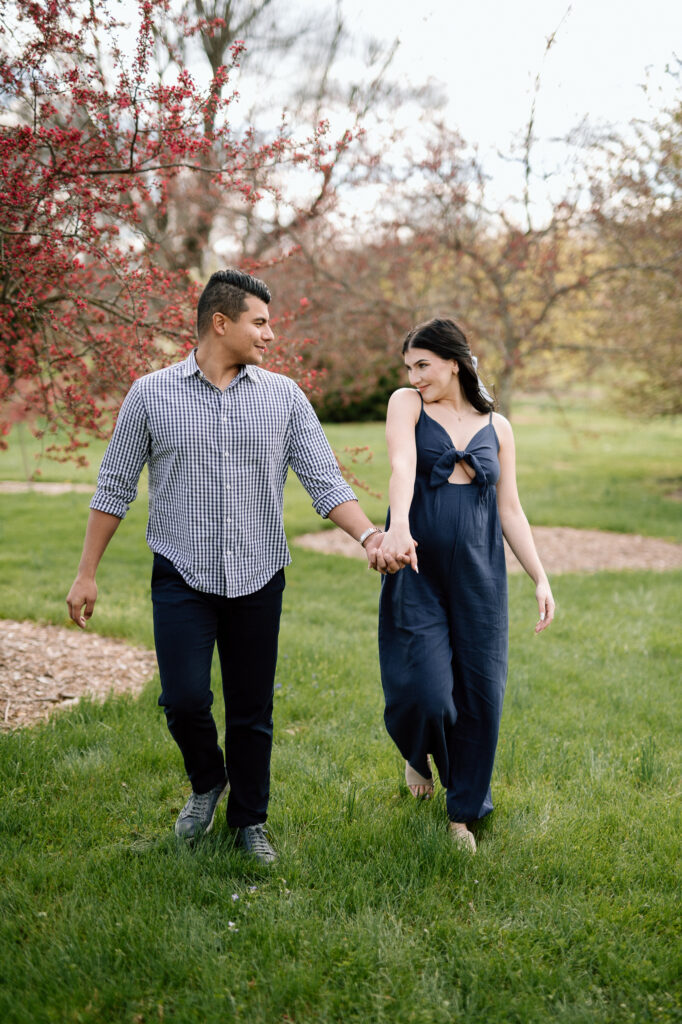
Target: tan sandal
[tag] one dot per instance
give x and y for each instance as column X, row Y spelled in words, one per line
column 461, row 835
column 414, row 780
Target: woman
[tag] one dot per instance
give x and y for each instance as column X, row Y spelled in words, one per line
column 443, row 620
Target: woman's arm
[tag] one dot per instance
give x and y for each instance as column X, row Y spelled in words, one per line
column 515, row 525
column 397, row 546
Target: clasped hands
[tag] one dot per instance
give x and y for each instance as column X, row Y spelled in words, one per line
column 391, row 551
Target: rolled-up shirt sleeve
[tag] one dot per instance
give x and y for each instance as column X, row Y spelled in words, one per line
column 312, row 460
column 124, row 458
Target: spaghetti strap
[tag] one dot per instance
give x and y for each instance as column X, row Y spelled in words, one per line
column 491, row 416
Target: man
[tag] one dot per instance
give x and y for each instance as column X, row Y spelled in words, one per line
column 218, row 434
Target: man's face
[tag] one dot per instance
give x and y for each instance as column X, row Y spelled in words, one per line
column 248, row 338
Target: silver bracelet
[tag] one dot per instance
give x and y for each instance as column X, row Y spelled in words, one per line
column 367, row 534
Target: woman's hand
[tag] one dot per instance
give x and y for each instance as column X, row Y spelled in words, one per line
column 397, row 549
column 543, row 593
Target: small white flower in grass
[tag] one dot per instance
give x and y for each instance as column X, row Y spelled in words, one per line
column 232, row 926
column 253, row 888
column 235, row 897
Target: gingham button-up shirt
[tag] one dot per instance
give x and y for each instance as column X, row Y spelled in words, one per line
column 217, row 463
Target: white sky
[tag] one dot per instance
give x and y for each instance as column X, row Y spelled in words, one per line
column 488, row 52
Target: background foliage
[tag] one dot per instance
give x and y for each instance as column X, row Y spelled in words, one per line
column 130, row 172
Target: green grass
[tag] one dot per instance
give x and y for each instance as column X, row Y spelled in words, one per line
column 568, row 913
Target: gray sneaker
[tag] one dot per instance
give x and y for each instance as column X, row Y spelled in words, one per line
column 253, row 840
column 196, row 817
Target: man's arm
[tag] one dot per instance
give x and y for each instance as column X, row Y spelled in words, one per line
column 117, row 482
column 99, row 531
column 350, row 518
column 353, row 521
column 314, row 463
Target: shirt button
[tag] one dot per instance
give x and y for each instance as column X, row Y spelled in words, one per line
column 228, row 553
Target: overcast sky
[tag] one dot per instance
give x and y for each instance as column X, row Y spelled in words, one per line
column 488, row 52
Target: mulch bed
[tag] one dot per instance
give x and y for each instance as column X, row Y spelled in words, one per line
column 46, row 668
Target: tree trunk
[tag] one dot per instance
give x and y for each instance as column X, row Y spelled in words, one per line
column 503, row 391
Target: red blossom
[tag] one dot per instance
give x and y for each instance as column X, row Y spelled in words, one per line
column 87, row 145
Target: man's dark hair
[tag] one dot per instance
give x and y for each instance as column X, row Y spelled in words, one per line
column 226, row 293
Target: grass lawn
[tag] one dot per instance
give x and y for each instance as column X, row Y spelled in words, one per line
column 567, row 913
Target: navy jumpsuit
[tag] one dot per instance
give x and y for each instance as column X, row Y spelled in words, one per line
column 443, row 633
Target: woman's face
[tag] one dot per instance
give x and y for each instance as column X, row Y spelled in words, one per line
column 433, row 377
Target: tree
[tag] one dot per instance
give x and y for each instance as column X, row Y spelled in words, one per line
column 289, row 67
column 535, row 280
column 573, row 282
column 637, row 201
column 89, row 140
column 363, row 298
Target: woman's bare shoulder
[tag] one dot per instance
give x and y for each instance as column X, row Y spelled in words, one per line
column 404, row 405
column 503, row 427
column 501, row 422
column 405, row 398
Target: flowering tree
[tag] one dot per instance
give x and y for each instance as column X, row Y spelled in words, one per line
column 90, row 139
column 305, row 65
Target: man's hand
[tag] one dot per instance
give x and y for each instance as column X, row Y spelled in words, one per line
column 397, row 550
column 371, row 546
column 100, row 529
column 83, row 592
column 376, row 558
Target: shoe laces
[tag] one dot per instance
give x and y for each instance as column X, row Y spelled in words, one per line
column 198, row 804
column 258, row 840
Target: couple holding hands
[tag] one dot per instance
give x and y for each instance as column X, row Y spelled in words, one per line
column 218, row 434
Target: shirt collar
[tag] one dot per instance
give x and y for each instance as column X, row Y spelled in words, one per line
column 190, row 368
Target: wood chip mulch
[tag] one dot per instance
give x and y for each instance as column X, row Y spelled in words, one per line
column 46, row 668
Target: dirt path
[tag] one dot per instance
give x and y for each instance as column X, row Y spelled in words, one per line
column 45, row 668
column 22, row 487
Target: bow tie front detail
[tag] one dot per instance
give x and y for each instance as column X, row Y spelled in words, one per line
column 444, row 468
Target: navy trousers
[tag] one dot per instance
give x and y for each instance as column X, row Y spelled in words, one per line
column 187, row 626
